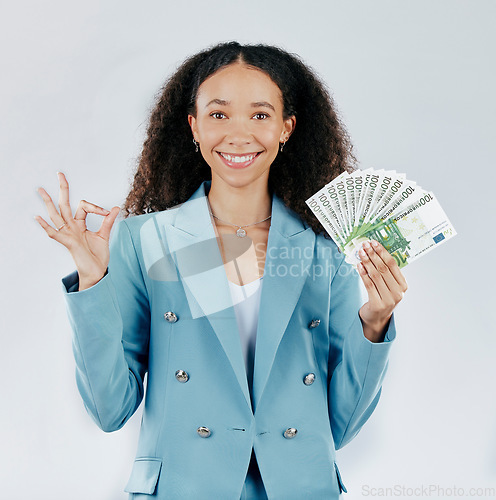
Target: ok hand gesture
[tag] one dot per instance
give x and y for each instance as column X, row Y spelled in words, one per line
column 90, row 250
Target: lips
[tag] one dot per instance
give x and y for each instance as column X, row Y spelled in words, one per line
column 238, row 161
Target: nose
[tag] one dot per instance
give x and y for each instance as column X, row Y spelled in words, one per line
column 239, row 134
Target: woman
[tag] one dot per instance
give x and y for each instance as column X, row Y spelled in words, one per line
column 251, row 388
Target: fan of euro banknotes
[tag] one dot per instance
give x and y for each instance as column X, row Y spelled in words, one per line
column 383, row 206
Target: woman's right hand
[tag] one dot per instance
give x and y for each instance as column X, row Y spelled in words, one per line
column 89, row 250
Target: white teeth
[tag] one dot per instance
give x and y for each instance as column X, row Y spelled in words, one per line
column 238, row 159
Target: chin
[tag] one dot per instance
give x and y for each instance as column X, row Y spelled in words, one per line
column 238, row 180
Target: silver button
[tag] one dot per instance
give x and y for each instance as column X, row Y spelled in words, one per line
column 170, row 317
column 314, row 323
column 290, row 433
column 309, row 379
column 182, row 376
column 203, row 432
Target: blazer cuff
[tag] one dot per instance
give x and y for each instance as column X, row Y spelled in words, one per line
column 97, row 300
column 93, row 312
column 70, row 283
column 363, row 349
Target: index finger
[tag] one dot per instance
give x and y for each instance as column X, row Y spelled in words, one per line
column 64, row 206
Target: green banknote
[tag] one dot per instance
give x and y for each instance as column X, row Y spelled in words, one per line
column 383, row 206
column 408, row 234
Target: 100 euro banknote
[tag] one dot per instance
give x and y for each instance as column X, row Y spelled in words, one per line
column 384, row 206
column 407, row 235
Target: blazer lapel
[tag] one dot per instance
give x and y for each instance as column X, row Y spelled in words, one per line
column 195, row 250
column 287, row 265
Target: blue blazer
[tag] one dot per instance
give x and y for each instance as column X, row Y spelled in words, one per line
column 164, row 308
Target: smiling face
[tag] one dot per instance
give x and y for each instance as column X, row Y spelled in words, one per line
column 239, row 124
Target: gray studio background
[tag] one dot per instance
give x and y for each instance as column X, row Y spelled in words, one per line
column 414, row 82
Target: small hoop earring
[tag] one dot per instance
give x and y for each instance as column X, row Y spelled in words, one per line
column 196, row 145
column 282, row 145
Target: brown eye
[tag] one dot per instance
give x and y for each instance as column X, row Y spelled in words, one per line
column 261, row 116
column 217, row 115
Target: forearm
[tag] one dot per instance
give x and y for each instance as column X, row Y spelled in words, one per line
column 375, row 332
column 356, row 382
column 108, row 378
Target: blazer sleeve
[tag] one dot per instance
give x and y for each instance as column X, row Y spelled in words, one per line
column 356, row 365
column 110, row 323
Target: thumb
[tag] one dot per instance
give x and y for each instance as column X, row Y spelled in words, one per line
column 108, row 222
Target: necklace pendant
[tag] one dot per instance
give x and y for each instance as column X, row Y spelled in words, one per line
column 241, row 233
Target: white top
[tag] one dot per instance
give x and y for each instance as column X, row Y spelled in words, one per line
column 246, row 301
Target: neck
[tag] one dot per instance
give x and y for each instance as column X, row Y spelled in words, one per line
column 240, row 205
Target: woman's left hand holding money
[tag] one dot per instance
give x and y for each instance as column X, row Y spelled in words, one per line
column 385, row 285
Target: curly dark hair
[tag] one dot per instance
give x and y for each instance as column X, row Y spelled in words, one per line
column 169, row 169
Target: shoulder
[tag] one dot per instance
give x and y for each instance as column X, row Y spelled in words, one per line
column 326, row 248
column 137, row 224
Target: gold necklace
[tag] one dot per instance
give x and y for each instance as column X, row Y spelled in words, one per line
column 240, row 231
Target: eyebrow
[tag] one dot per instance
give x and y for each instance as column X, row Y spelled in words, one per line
column 258, row 104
